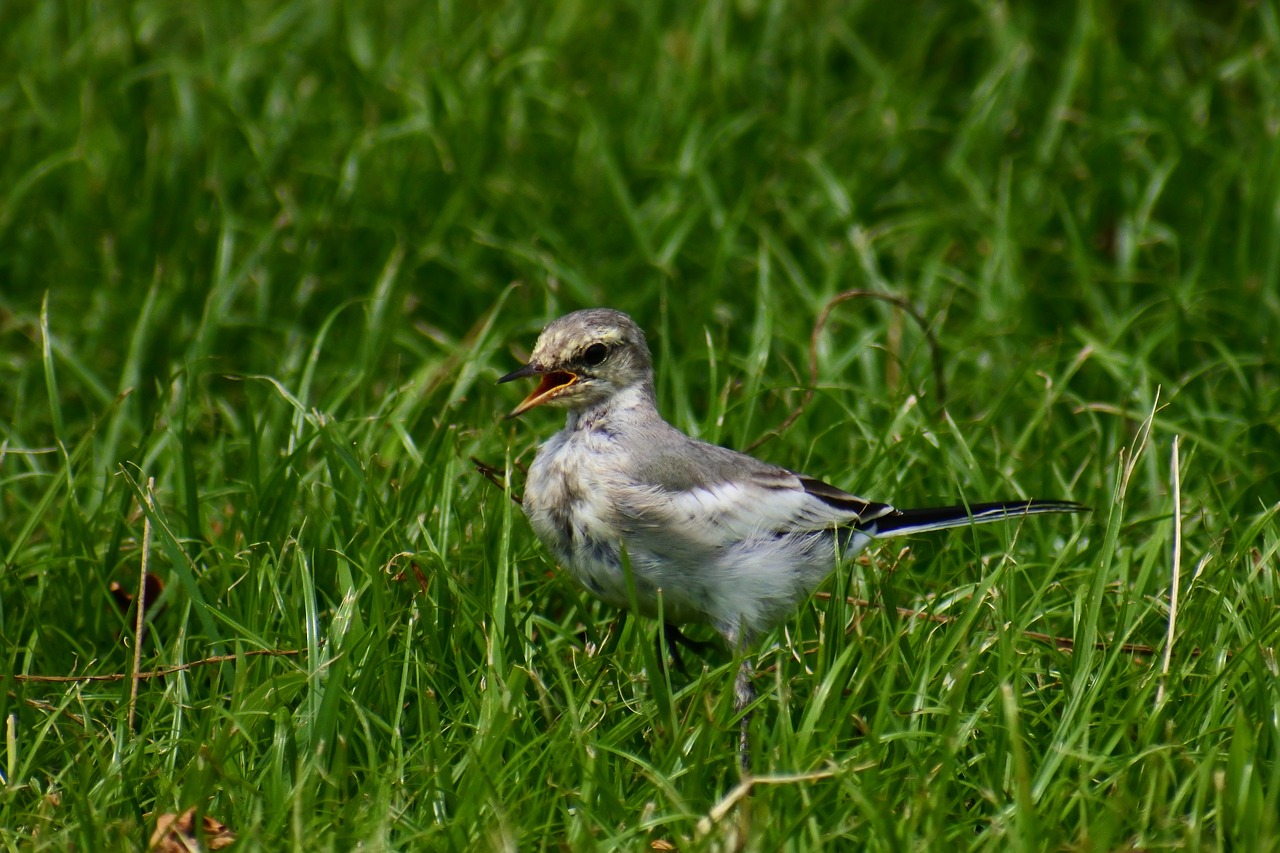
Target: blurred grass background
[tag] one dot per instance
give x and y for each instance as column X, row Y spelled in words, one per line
column 272, row 255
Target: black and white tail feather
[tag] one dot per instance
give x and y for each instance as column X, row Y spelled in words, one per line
column 881, row 520
column 901, row 522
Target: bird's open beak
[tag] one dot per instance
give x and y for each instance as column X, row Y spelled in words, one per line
column 553, row 382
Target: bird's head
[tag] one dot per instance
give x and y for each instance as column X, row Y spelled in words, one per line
column 583, row 359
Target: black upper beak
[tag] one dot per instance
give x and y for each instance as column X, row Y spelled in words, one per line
column 520, row 373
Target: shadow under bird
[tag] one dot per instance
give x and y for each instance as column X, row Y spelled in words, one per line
column 723, row 538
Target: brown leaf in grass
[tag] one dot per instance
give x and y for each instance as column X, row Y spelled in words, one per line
column 124, row 598
column 176, row 833
column 421, row 579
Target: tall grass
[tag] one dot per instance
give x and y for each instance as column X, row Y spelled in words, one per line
column 271, row 256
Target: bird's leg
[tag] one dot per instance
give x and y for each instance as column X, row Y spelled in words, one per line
column 676, row 638
column 744, row 693
column 670, row 633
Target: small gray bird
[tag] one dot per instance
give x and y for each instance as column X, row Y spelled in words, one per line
column 723, row 538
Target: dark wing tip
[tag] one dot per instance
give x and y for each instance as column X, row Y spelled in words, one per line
column 838, row 498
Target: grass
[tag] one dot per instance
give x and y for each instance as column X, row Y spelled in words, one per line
column 272, row 255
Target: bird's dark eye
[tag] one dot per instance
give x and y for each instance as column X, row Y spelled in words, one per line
column 595, row 354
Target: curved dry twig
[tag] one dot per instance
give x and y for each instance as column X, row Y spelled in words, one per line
column 155, row 673
column 935, row 352
column 1065, row 644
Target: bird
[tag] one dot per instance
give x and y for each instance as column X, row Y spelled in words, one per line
column 645, row 517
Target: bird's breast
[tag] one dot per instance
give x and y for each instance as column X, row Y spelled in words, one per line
column 568, row 499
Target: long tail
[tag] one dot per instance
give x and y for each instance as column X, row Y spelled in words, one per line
column 900, row 522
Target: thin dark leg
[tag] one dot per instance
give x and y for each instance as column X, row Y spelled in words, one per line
column 675, row 639
column 744, row 693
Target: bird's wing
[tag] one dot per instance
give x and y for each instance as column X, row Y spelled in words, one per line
column 711, row 495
